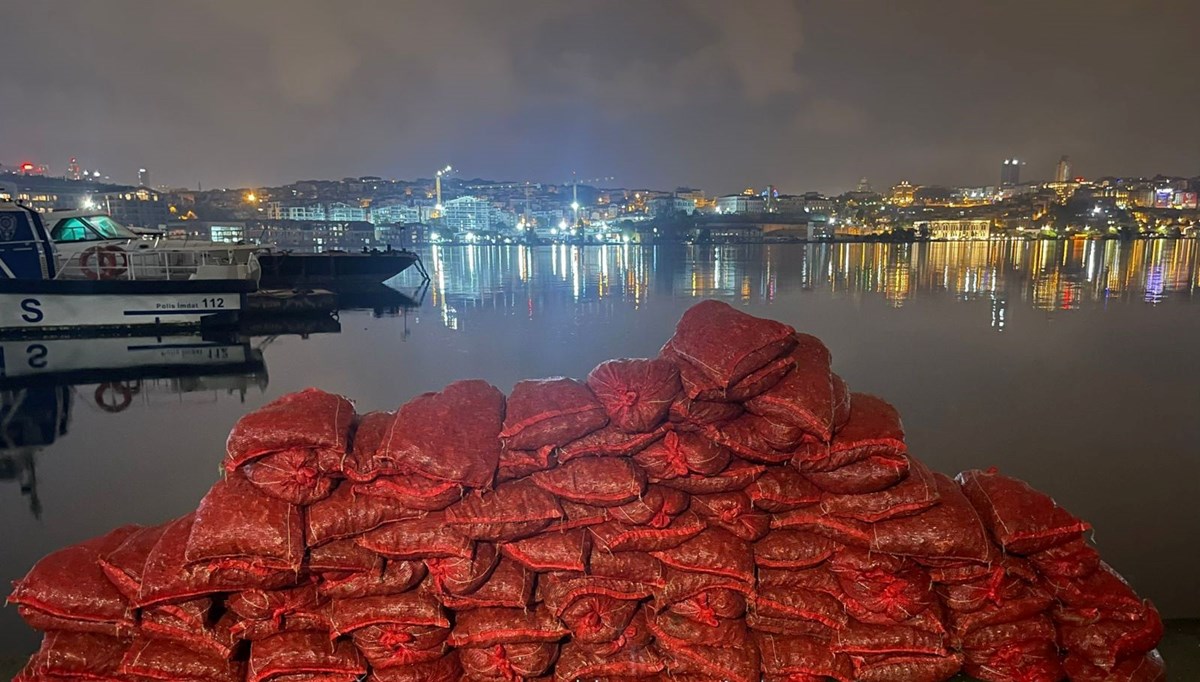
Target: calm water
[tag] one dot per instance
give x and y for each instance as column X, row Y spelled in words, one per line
column 1075, row 366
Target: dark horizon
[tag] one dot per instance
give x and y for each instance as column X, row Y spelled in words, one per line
column 704, row 93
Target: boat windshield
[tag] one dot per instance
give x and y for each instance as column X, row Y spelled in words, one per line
column 109, row 228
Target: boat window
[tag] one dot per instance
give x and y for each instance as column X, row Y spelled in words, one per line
column 72, row 230
column 109, row 228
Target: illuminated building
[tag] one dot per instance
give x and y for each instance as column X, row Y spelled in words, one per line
column 338, row 211
column 277, row 211
column 73, row 170
column 473, row 213
column 138, row 208
column 1062, row 172
column 399, row 214
column 1010, row 172
column 902, row 194
column 740, row 203
column 956, row 228
column 143, row 177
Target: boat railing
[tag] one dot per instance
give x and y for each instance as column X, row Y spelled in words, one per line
column 112, row 262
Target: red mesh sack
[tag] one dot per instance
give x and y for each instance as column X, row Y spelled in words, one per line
column 1024, row 661
column 733, row 512
column 811, row 396
column 412, row 491
column 70, row 585
column 451, row 435
column 906, row 667
column 637, row 394
column 692, row 413
column 1103, row 589
column 679, row 454
column 799, row 603
column 343, row 556
column 190, row 623
column 168, row 577
column 290, row 475
column 608, row 442
column 702, row 596
column 697, row 386
column 124, row 565
column 552, row 551
column 275, row 604
column 727, row 344
column 415, row 607
column 627, row 566
column 510, row 585
column 1148, row 668
column 513, row 510
column 391, row 645
column 428, row 537
column 577, row 515
column 550, row 412
column 873, row 430
column 444, row 669
column 367, row 458
column 599, row 481
column 656, row 508
column 733, row 664
column 345, row 514
column 781, row 489
column 158, row 659
column 594, row 618
column 612, row 536
column 1022, row 520
column 756, row 439
column 77, row 655
column 811, row 519
column 793, row 549
column 515, row 661
column 1075, row 559
column 869, row 475
column 291, row 653
column 492, row 626
column 1029, row 601
column 629, row 657
column 914, row 494
column 1108, row 641
column 802, row 657
column 464, row 575
column 1005, row 580
column 237, row 522
column 516, row 464
column 736, row 476
column 715, row 551
column 989, row 639
column 710, row 606
column 951, row 529
column 309, row 420
column 719, row 632
column 865, row 639
column 395, row 577
column 881, row 589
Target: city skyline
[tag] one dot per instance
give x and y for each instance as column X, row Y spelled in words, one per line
column 698, row 93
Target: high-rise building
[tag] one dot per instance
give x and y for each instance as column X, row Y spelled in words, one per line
column 1010, row 172
column 1062, row 172
column 73, row 170
column 143, row 177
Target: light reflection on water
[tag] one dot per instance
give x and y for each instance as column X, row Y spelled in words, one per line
column 1070, row 364
column 1046, row 275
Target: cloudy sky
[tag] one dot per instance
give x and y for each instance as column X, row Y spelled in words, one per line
column 719, row 94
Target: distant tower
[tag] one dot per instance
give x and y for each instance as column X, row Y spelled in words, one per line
column 143, row 177
column 1062, row 173
column 73, row 170
column 1010, row 172
column 863, row 185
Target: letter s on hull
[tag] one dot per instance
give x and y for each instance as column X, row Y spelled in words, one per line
column 33, row 311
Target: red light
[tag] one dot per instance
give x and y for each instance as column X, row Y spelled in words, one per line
column 27, row 166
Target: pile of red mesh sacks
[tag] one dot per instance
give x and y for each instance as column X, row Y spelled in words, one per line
column 726, row 511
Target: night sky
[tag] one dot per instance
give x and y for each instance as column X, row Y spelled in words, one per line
column 719, row 94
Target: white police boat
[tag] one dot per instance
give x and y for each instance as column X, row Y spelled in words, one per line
column 107, row 288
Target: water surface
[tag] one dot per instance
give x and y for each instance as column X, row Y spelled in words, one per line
column 1073, row 365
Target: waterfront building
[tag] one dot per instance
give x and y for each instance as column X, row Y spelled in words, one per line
column 902, row 194
column 473, row 214
column 342, row 212
column 740, row 203
column 956, row 228
column 141, row 207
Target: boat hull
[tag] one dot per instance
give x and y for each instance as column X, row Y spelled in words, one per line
column 39, row 307
column 339, row 272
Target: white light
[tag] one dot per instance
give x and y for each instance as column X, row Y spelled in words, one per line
column 575, row 205
column 562, row 224
column 439, row 207
column 554, row 230
column 435, row 236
